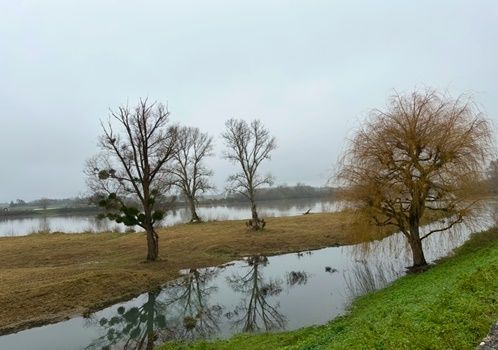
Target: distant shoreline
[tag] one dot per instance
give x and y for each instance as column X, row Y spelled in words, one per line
column 94, row 210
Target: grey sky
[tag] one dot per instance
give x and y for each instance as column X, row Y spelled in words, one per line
column 310, row 70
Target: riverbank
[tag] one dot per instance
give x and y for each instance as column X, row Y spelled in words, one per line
column 48, row 277
column 451, row 306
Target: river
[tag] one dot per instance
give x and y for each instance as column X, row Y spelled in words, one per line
column 256, row 294
column 20, row 226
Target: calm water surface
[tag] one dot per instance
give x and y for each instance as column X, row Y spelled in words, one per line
column 23, row 226
column 256, row 294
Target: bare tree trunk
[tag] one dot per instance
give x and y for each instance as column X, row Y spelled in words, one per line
column 156, row 244
column 193, row 211
column 256, row 223
column 417, row 250
column 254, row 213
column 152, row 237
column 152, row 244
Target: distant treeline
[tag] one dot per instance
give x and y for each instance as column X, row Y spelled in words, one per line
column 85, row 204
column 77, row 206
column 47, row 203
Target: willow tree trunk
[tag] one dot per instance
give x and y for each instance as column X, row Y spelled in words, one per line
column 417, row 249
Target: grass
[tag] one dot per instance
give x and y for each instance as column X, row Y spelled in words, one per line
column 451, row 306
column 48, row 277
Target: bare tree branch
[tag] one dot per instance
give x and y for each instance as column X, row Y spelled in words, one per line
column 191, row 176
column 134, row 166
column 248, row 145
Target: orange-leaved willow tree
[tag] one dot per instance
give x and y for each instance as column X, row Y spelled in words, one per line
column 426, row 152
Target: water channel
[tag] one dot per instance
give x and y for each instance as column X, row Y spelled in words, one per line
column 275, row 293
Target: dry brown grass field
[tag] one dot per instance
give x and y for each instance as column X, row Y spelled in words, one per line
column 47, row 277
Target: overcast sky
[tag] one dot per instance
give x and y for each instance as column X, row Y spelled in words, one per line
column 310, row 70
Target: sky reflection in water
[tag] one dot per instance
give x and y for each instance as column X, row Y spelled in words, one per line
column 260, row 293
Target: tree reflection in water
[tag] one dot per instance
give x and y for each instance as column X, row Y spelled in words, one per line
column 179, row 312
column 365, row 278
column 197, row 319
column 254, row 312
column 134, row 328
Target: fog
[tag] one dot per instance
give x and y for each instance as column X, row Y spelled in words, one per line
column 310, row 70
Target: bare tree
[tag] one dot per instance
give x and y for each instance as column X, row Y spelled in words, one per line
column 425, row 153
column 191, row 175
column 44, row 203
column 133, row 170
column 248, row 145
